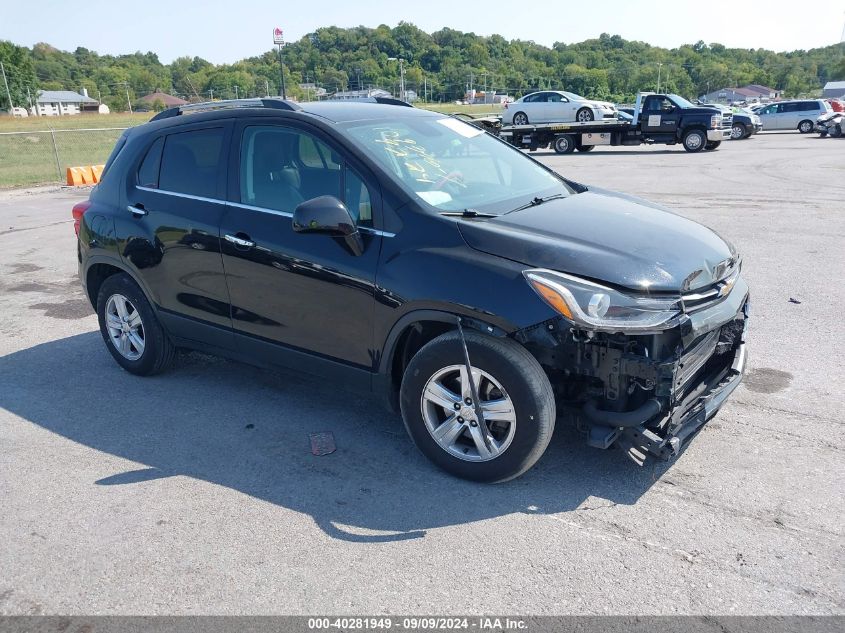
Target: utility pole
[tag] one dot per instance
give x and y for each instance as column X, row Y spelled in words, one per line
column 8, row 94
column 425, row 89
column 236, row 92
column 266, row 87
column 128, row 102
column 211, row 93
column 401, row 75
column 659, row 64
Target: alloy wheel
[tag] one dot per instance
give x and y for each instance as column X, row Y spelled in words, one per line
column 126, row 329
column 450, row 417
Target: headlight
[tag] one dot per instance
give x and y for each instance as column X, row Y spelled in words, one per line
column 715, row 121
column 596, row 307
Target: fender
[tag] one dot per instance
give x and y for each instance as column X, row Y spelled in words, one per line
column 92, row 260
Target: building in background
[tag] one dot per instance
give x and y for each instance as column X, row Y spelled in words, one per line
column 834, row 90
column 752, row 93
column 166, row 100
column 66, row 102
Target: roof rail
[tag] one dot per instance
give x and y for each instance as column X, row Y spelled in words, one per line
column 382, row 100
column 209, row 106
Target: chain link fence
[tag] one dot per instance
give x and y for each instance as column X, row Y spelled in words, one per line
column 43, row 156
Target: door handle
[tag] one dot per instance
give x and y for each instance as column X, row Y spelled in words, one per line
column 137, row 210
column 239, row 241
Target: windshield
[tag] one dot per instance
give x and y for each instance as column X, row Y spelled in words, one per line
column 681, row 101
column 453, row 166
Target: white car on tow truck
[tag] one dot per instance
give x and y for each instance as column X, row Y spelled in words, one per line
column 556, row 106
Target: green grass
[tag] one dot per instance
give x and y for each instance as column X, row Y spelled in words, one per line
column 453, row 108
column 28, row 124
column 28, row 157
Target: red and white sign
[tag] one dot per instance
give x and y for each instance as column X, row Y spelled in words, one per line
column 278, row 36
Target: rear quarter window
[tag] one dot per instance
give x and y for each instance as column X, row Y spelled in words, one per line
column 149, row 168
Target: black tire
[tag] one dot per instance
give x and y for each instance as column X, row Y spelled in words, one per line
column 585, row 148
column 584, row 114
column 520, row 118
column 712, row 145
column 823, row 134
column 836, row 131
column 159, row 351
column 738, row 131
column 695, row 140
column 564, row 144
column 523, row 381
column 805, row 127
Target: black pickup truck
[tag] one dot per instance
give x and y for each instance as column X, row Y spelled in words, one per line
column 657, row 118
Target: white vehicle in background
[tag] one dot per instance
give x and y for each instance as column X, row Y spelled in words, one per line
column 556, row 106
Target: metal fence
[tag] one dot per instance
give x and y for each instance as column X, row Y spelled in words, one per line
column 43, row 156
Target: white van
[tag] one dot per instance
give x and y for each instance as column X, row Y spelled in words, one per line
column 798, row 115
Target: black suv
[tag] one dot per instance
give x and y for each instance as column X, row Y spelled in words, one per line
column 406, row 252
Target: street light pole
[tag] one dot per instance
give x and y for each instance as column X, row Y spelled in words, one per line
column 659, row 64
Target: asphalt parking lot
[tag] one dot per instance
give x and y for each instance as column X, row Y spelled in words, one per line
column 195, row 491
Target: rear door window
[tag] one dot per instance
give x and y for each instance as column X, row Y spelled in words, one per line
column 190, row 162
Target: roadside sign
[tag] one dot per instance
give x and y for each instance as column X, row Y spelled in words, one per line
column 278, row 36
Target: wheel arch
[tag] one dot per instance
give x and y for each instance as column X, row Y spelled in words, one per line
column 409, row 334
column 98, row 269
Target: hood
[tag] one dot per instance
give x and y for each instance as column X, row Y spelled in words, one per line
column 610, row 237
column 604, row 104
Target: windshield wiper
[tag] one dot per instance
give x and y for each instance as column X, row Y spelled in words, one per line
column 468, row 213
column 536, row 201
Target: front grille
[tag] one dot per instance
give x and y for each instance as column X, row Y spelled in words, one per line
column 727, row 121
column 710, row 295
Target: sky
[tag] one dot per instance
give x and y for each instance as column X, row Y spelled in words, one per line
column 226, row 31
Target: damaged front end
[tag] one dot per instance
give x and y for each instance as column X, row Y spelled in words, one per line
column 648, row 387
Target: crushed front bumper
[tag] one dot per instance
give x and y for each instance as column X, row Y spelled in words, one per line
column 667, row 439
column 648, row 393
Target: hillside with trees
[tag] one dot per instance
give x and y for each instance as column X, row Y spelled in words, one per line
column 443, row 64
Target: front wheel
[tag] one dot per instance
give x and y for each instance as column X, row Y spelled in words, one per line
column 130, row 329
column 805, row 127
column 585, row 148
column 584, row 115
column 694, row 140
column 712, row 145
column 836, row 132
column 516, row 399
column 738, row 131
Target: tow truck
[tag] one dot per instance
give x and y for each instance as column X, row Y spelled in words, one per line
column 665, row 119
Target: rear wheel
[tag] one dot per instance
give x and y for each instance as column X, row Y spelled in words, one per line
column 520, row 118
column 564, row 144
column 130, row 329
column 694, row 140
column 584, row 114
column 517, row 402
column 585, row 148
column 738, row 131
column 805, row 127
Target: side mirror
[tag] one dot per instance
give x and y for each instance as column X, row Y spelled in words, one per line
column 328, row 215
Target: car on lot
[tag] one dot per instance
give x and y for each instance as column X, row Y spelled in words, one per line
column 745, row 122
column 797, row 114
column 400, row 251
column 555, row 106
